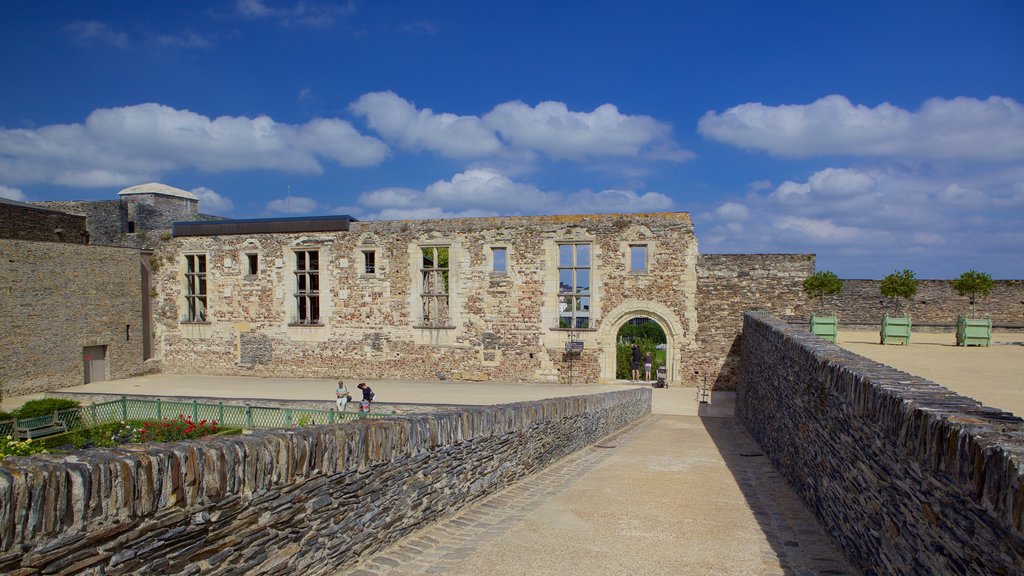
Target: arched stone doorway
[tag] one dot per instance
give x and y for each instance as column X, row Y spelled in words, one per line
column 623, row 313
column 650, row 337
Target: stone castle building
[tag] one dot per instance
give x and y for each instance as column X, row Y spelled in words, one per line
column 508, row 299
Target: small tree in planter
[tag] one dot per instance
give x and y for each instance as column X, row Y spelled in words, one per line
column 900, row 285
column 971, row 330
column 818, row 286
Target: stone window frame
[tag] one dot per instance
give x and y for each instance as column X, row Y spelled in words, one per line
column 491, row 248
column 428, row 297
column 364, row 265
column 312, row 294
column 574, row 294
column 647, row 258
column 196, row 287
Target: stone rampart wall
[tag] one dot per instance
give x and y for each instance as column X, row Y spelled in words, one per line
column 106, row 219
column 24, row 222
column 860, row 302
column 56, row 299
column 730, row 284
column 907, row 476
column 306, row 501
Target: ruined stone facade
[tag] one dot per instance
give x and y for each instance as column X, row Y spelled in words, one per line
column 487, row 324
column 64, row 308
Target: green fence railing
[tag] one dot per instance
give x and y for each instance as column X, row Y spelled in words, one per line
column 226, row 415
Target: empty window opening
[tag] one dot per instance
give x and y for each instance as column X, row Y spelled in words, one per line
column 435, row 276
column 370, row 261
column 500, row 260
column 307, row 287
column 253, row 264
column 195, row 288
column 574, row 286
column 638, row 258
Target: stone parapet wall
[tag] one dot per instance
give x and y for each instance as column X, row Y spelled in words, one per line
column 55, row 300
column 729, row 285
column 305, row 501
column 860, row 302
column 908, row 477
column 106, row 219
column 25, row 222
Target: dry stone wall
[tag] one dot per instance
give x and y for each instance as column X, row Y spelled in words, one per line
column 908, row 477
column 25, row 222
column 728, row 286
column 861, row 305
column 306, row 501
column 503, row 326
column 56, row 299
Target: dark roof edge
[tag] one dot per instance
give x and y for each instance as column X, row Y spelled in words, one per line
column 337, row 223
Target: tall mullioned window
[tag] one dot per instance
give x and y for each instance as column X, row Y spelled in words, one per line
column 574, row 285
column 434, row 295
column 195, row 288
column 307, row 287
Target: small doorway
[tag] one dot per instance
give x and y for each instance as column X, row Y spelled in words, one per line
column 94, row 359
column 650, row 338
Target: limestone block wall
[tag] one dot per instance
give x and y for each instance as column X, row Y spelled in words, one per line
column 908, row 477
column 729, row 285
column 935, row 303
column 56, row 299
column 25, row 222
column 305, row 501
column 502, row 326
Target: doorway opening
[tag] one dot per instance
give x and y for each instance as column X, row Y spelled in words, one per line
column 94, row 360
column 650, row 339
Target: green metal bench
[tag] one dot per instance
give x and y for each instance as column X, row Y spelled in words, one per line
column 39, row 426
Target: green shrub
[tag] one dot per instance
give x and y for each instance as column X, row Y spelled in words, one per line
column 6, row 416
column 822, row 284
column 43, row 407
column 899, row 285
column 10, row 447
column 973, row 284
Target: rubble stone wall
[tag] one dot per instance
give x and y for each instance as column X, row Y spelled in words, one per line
column 24, row 222
column 55, row 300
column 729, row 285
column 304, row 501
column 908, row 477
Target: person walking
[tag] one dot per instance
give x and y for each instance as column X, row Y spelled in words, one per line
column 367, row 396
column 341, row 395
column 634, row 362
column 648, row 361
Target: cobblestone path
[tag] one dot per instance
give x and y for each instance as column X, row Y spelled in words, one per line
column 670, row 495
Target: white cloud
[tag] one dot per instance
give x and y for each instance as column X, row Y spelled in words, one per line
column 487, row 192
column 732, row 211
column 116, row 146
column 398, row 120
column 12, row 194
column 301, row 13
column 185, row 40
column 550, row 127
column 293, row 205
column 91, row 32
column 956, row 129
column 211, row 202
column 514, row 128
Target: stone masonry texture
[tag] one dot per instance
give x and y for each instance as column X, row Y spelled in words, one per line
column 303, row 501
column 25, row 222
column 907, row 476
column 56, row 299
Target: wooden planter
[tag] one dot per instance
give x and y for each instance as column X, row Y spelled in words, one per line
column 895, row 330
column 973, row 331
column 826, row 327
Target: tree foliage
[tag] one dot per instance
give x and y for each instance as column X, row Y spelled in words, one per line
column 973, row 284
column 901, row 284
column 822, row 284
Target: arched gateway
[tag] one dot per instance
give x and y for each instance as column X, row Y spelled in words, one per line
column 676, row 336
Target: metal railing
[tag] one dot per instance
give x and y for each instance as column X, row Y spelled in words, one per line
column 226, row 415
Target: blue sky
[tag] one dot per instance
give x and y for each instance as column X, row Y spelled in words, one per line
column 877, row 135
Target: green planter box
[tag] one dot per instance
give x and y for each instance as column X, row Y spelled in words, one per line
column 826, row 327
column 973, row 331
column 896, row 330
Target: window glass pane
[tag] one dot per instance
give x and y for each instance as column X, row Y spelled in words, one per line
column 301, row 282
column 583, row 305
column 583, row 255
column 302, row 308
column 565, row 254
column 565, row 280
column 314, row 310
column 300, row 260
column 499, row 259
column 314, row 282
column 314, row 260
column 638, row 258
column 583, row 280
column 582, row 322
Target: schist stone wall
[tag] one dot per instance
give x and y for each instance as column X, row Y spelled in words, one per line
column 106, row 219
column 55, row 300
column 909, row 477
column 20, row 221
column 729, row 285
column 936, row 302
column 501, row 325
column 306, row 501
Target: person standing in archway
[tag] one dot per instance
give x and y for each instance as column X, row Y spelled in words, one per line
column 648, row 361
column 634, row 362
